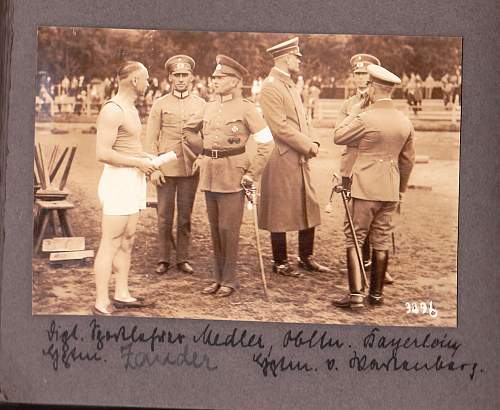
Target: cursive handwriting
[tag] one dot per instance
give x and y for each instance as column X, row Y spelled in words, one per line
column 361, row 362
column 375, row 340
column 299, row 339
column 136, row 360
column 236, row 338
column 63, row 347
column 282, row 364
column 134, row 335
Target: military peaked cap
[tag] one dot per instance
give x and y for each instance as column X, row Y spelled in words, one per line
column 360, row 62
column 228, row 66
column 382, row 76
column 180, row 63
column 287, row 47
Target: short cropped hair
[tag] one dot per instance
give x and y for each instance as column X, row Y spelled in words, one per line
column 127, row 68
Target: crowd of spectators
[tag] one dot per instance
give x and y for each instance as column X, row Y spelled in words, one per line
column 80, row 95
column 415, row 89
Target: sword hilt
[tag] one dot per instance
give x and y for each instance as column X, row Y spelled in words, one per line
column 250, row 195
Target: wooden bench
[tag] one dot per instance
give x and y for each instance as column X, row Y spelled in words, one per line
column 48, row 211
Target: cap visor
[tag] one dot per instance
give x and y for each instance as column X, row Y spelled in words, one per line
column 183, row 70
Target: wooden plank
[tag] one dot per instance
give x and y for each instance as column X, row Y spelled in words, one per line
column 39, row 168
column 76, row 243
column 54, row 204
column 44, row 173
column 58, row 164
column 66, row 256
column 53, row 156
column 64, row 178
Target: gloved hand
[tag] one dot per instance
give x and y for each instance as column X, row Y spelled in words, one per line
column 346, row 183
column 247, row 181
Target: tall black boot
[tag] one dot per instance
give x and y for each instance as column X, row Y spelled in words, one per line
column 380, row 260
column 355, row 298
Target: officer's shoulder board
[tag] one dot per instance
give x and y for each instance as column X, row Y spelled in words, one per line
column 249, row 100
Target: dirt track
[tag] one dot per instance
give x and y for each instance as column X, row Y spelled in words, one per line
column 424, row 265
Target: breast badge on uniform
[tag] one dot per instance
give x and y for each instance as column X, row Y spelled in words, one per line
column 235, row 129
column 234, row 140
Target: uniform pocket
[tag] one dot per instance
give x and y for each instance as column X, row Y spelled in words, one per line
column 236, row 132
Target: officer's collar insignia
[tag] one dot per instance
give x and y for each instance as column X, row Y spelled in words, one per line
column 180, row 95
column 225, row 98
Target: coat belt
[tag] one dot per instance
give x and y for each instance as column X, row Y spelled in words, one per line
column 222, row 153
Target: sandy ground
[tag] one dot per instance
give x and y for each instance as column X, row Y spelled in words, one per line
column 425, row 264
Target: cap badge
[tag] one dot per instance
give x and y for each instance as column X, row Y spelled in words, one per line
column 359, row 65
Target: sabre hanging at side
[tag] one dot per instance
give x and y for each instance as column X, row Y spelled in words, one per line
column 250, row 194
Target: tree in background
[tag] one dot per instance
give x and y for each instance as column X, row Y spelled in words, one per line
column 96, row 52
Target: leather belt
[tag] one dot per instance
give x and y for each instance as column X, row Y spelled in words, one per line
column 222, row 153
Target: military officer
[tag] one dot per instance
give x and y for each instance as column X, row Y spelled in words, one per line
column 288, row 199
column 228, row 122
column 166, row 131
column 359, row 63
column 385, row 157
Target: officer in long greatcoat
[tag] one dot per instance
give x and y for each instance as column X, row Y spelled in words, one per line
column 288, row 199
column 225, row 166
column 383, row 137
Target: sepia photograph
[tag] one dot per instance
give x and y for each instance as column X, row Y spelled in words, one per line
column 248, row 176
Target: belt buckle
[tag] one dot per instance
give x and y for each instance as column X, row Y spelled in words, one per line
column 216, row 151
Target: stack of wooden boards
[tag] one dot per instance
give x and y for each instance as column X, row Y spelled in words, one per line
column 52, row 169
column 67, row 249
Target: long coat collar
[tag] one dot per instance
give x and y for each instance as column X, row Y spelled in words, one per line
column 281, row 76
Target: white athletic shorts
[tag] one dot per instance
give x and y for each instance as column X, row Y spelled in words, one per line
column 122, row 190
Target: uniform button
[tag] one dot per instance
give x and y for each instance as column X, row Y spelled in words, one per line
column 381, row 160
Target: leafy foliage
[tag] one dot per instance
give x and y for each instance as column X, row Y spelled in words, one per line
column 97, row 52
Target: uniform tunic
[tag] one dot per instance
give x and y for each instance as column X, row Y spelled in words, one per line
column 384, row 139
column 228, row 123
column 166, row 131
column 349, row 154
column 288, row 199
